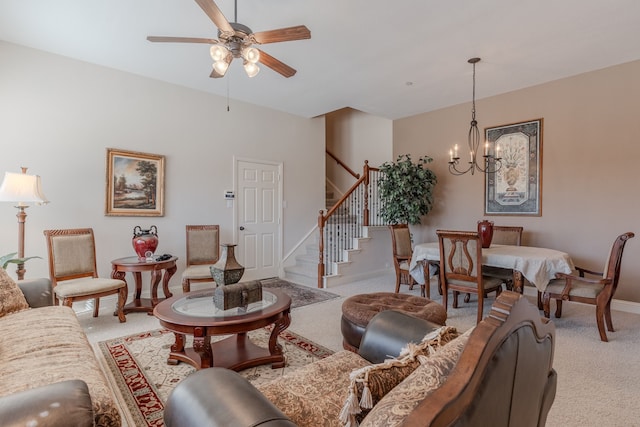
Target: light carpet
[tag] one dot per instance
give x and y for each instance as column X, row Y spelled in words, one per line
column 597, row 382
column 136, row 367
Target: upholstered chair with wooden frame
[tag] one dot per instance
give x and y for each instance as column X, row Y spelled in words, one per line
column 203, row 243
column 73, row 271
column 461, row 268
column 504, row 235
column 402, row 252
column 598, row 292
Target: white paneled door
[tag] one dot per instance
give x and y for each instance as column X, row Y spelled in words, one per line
column 258, row 218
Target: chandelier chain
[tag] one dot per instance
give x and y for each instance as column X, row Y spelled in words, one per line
column 473, row 98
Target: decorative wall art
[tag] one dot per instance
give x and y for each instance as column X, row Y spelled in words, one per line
column 516, row 188
column 135, row 184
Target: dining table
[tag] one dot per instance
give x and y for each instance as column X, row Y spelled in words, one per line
column 538, row 265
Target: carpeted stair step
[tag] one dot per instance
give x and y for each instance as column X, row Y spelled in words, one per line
column 307, row 261
column 303, row 274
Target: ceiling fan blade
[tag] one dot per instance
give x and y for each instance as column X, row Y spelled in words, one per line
column 181, row 40
column 299, row 32
column 215, row 14
column 276, row 65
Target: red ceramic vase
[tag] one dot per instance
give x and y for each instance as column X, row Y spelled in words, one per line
column 485, row 230
column 144, row 241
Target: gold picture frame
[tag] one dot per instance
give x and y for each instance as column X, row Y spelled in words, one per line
column 135, row 183
column 516, row 188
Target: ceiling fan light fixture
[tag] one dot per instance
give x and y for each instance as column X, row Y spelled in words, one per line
column 218, row 52
column 222, row 65
column 251, row 68
column 251, row 54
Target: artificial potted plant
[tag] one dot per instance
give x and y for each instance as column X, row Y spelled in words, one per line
column 406, row 190
column 11, row 258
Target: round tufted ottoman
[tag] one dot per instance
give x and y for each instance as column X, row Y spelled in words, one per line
column 359, row 309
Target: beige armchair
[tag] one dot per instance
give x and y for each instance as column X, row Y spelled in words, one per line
column 73, row 271
column 203, row 243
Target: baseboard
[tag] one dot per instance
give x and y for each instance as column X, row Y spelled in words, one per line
column 341, row 280
column 626, row 306
column 616, row 304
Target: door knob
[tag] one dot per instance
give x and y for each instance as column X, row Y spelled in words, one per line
column 241, row 228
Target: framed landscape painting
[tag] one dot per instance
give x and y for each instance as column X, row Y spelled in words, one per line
column 135, row 183
column 516, row 187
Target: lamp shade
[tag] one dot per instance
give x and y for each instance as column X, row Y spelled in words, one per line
column 22, row 188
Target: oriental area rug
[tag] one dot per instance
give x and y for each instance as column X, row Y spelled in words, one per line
column 300, row 295
column 137, row 370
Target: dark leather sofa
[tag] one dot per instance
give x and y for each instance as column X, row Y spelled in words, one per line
column 503, row 377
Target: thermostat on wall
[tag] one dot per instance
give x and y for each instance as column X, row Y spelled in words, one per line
column 229, row 195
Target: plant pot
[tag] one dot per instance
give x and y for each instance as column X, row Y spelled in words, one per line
column 227, row 270
column 145, row 242
column 485, row 230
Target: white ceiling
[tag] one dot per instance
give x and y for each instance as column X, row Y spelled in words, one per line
column 390, row 59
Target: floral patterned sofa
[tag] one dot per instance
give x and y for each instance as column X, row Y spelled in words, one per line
column 499, row 373
column 42, row 349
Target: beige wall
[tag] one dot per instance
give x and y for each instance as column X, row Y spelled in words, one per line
column 590, row 167
column 354, row 136
column 58, row 116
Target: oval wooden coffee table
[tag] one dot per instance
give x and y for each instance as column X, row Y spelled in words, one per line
column 195, row 314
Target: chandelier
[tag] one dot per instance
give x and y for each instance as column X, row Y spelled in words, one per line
column 490, row 161
column 235, row 45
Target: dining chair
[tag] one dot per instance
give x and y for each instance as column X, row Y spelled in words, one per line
column 461, row 268
column 598, row 292
column 504, row 235
column 402, row 252
column 203, row 243
column 73, row 271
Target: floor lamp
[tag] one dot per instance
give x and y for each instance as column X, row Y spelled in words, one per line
column 22, row 189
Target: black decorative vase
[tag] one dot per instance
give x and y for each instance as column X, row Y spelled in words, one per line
column 227, row 270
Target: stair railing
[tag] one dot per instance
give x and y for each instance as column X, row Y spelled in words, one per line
column 344, row 166
column 344, row 222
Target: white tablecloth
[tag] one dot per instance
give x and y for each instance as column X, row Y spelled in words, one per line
column 537, row 265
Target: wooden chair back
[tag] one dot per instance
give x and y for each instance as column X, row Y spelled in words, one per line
column 402, row 253
column 461, row 268
column 72, row 254
column 401, row 242
column 460, row 256
column 507, row 235
column 203, row 244
column 613, row 264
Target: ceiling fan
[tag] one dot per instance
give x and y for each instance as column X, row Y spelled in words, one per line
column 236, row 41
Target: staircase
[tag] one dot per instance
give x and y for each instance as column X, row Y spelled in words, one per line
column 370, row 256
column 352, row 250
